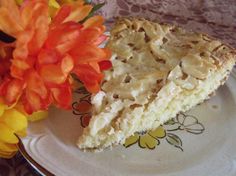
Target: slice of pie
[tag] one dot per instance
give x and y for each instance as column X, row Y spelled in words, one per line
column 158, row 71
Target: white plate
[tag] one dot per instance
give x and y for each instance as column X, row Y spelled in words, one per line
column 209, row 152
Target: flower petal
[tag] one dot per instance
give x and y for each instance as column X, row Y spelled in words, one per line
column 105, row 65
column 7, row 147
column 39, row 37
column 95, row 65
column 7, row 155
column 146, row 141
column 88, row 53
column 19, row 2
column 67, row 64
column 31, row 11
column 54, row 4
column 95, row 21
column 62, row 96
column 4, row 66
column 63, row 37
column 23, row 38
column 190, row 120
column 158, row 133
column 92, row 88
column 36, row 116
column 90, row 35
column 7, row 134
column 48, row 56
column 85, row 119
column 83, row 106
column 16, row 72
column 77, row 2
column 22, row 133
column 52, row 74
column 180, row 118
column 131, row 140
column 89, row 77
column 35, row 83
column 174, row 140
column 12, row 7
column 78, row 13
column 11, row 90
column 15, row 120
column 195, row 128
column 35, row 16
column 100, row 39
column 33, row 102
column 2, row 108
column 61, row 15
column 7, row 22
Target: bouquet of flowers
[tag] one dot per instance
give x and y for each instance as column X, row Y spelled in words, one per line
column 42, row 44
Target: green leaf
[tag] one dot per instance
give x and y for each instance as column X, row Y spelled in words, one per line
column 97, row 7
column 88, row 1
column 174, row 140
column 94, row 9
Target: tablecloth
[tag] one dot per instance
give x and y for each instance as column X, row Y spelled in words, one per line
column 214, row 17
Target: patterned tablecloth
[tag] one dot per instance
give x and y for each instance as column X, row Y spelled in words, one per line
column 215, row 17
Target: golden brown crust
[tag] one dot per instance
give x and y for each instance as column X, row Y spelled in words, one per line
column 127, row 20
column 211, row 49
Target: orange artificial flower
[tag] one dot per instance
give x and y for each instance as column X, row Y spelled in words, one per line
column 47, row 50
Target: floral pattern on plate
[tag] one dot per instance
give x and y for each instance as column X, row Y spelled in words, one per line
column 151, row 139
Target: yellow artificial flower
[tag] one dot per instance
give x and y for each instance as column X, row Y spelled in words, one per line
column 36, row 116
column 54, row 2
column 12, row 123
column 54, row 5
column 147, row 140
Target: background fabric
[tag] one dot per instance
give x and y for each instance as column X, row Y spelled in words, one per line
column 214, row 17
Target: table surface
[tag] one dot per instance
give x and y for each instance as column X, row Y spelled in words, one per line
column 16, row 166
column 215, row 17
